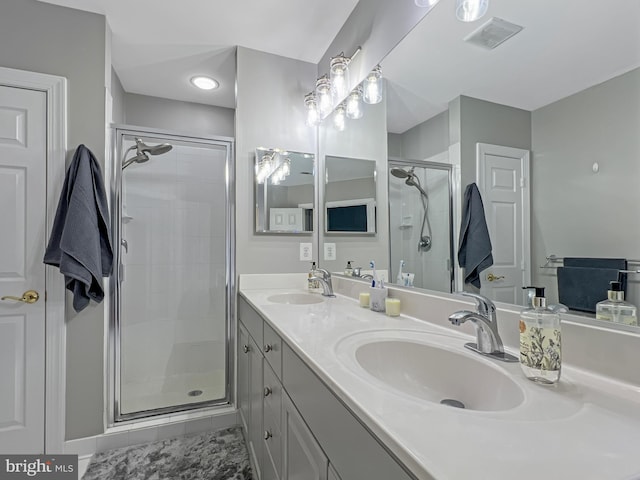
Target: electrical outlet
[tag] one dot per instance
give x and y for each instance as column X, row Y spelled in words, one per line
column 306, row 252
column 329, row 251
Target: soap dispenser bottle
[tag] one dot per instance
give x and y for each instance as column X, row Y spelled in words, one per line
column 313, row 285
column 540, row 341
column 348, row 270
column 615, row 309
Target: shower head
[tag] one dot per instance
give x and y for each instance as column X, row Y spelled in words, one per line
column 143, row 151
column 401, row 172
column 152, row 149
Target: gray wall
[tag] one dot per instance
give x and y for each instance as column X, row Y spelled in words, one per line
column 350, row 189
column 426, row 139
column 576, row 212
column 479, row 121
column 269, row 113
column 179, row 117
column 117, row 98
column 70, row 43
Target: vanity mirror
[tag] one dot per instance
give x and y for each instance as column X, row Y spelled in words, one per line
column 350, row 196
column 284, row 191
column 566, row 97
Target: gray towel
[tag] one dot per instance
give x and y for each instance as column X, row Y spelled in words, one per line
column 474, row 251
column 80, row 241
column 581, row 288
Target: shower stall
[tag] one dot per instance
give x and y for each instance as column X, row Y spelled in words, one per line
column 172, row 285
column 421, row 223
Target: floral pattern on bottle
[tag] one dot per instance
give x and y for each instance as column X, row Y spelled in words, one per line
column 540, row 348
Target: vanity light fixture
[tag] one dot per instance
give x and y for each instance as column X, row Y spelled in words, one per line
column 324, row 97
column 264, row 167
column 471, row 10
column 313, row 116
column 372, row 86
column 339, row 76
column 204, row 83
column 339, row 117
column 354, row 104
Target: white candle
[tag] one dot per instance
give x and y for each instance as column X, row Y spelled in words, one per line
column 392, row 306
column 364, row 300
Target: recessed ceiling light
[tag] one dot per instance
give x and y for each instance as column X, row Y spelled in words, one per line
column 204, row 83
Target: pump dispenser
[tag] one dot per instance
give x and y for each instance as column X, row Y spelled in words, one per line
column 615, row 309
column 313, row 285
column 348, row 270
column 540, row 341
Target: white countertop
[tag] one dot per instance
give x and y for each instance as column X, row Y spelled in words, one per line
column 587, row 427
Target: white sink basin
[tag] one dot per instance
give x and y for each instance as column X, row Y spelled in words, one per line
column 295, row 298
column 428, row 372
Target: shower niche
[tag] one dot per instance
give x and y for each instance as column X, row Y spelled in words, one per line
column 172, row 282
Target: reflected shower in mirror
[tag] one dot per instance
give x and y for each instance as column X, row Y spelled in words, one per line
column 420, row 224
column 350, row 195
column 284, row 191
column 574, row 110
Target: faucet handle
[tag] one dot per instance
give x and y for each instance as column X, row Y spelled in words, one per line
column 325, row 273
column 484, row 305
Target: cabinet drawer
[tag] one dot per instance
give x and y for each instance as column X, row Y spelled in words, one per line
column 250, row 318
column 272, row 349
column 272, row 443
column 353, row 450
column 272, row 395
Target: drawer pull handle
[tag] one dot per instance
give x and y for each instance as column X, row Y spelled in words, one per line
column 245, row 349
column 267, row 435
column 267, row 391
column 267, row 348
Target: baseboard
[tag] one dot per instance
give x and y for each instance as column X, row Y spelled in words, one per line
column 141, row 432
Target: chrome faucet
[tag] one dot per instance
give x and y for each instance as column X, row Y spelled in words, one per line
column 357, row 273
column 324, row 277
column 488, row 340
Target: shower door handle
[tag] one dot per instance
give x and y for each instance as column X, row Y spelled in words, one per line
column 30, row 296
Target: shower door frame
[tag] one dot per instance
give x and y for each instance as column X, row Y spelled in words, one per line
column 449, row 168
column 114, row 415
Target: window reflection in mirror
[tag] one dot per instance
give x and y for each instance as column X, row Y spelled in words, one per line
column 350, row 195
column 284, row 191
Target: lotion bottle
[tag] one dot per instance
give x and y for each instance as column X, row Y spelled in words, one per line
column 348, row 270
column 615, row 309
column 313, row 285
column 540, row 341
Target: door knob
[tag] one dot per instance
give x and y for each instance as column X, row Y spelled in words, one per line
column 491, row 277
column 30, row 296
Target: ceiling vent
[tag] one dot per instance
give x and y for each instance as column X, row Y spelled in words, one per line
column 493, row 33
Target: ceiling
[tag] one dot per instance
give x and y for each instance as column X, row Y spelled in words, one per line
column 565, row 47
column 159, row 45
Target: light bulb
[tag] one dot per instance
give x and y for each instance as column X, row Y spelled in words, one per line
column 354, row 104
column 426, row 3
column 339, row 118
column 372, row 86
column 323, row 96
column 471, row 10
column 339, row 75
column 313, row 118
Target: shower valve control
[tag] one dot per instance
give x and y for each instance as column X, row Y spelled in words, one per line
column 267, row 435
column 267, row 391
column 245, row 348
column 267, row 348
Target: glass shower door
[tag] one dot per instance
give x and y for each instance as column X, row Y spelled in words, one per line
column 420, row 223
column 174, row 275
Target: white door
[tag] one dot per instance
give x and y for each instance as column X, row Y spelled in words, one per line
column 22, row 237
column 503, row 179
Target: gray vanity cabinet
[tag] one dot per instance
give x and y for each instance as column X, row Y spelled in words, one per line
column 296, row 428
column 303, row 457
